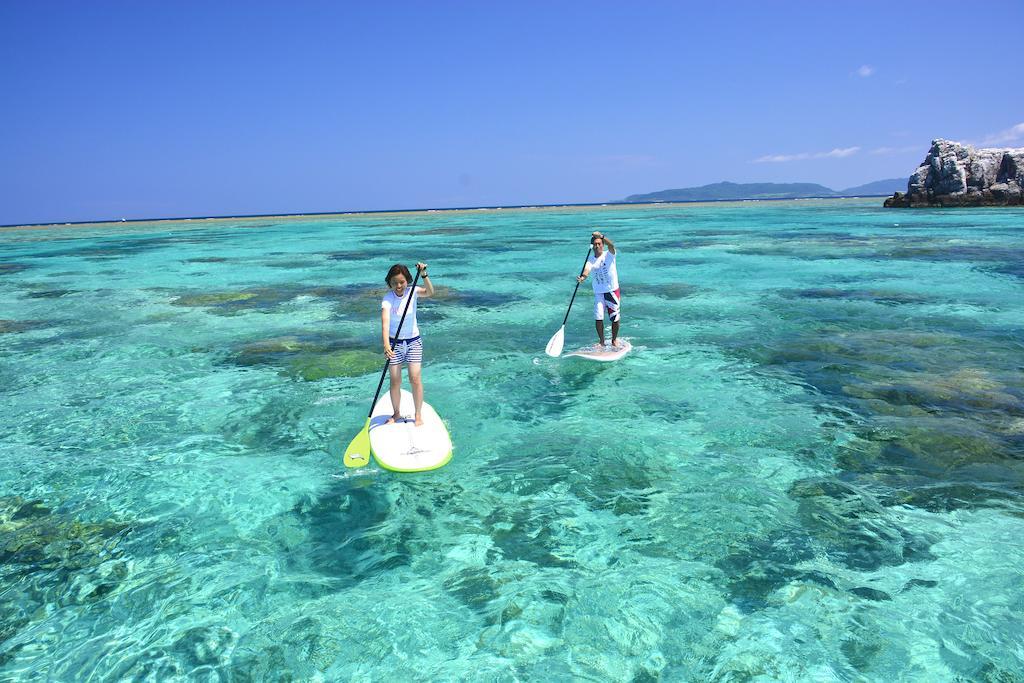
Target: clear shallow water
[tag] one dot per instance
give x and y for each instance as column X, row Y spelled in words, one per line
column 810, row 468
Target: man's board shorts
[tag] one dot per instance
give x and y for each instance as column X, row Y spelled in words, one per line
column 607, row 301
column 406, row 351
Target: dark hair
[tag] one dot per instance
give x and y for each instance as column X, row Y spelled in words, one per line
column 395, row 270
column 604, row 238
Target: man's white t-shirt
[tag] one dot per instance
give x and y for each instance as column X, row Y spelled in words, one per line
column 604, row 277
column 409, row 328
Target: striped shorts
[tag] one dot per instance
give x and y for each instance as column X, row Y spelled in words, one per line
column 406, row 351
column 607, row 301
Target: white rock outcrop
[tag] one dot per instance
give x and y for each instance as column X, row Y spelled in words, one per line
column 956, row 175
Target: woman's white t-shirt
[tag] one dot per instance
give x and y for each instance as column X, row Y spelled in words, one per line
column 409, row 328
column 604, row 276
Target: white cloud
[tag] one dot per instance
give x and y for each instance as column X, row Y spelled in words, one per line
column 865, row 71
column 837, row 153
column 773, row 158
column 879, row 151
column 842, row 152
column 1006, row 136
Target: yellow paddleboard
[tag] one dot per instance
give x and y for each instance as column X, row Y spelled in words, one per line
column 402, row 446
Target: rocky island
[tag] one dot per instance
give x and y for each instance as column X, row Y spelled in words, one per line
column 956, row 175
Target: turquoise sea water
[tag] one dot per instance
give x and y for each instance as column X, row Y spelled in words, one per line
column 811, row 467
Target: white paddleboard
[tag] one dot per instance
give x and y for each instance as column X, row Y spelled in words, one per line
column 402, row 446
column 602, row 353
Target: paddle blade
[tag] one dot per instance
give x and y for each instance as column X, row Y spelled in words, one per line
column 556, row 343
column 358, row 452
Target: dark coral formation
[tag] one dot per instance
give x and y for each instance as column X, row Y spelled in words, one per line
column 311, row 357
column 49, row 559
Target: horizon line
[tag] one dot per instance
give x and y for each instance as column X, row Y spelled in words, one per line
column 424, row 210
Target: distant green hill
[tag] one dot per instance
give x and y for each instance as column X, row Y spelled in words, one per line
column 727, row 190
column 877, row 188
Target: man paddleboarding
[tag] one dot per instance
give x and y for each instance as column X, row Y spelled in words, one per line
column 601, row 263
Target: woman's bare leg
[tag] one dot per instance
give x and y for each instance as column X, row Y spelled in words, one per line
column 416, row 381
column 396, row 392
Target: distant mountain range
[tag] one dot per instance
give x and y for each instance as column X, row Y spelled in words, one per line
column 727, row 190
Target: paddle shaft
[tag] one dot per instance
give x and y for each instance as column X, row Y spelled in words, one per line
column 577, row 287
column 387, row 361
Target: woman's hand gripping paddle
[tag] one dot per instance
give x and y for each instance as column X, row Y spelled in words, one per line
column 358, row 452
column 555, row 344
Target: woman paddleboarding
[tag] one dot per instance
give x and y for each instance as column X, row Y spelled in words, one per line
column 404, row 346
column 601, row 263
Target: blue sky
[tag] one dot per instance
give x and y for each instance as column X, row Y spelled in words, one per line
column 146, row 109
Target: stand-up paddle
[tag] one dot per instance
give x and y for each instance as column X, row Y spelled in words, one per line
column 555, row 344
column 358, row 452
